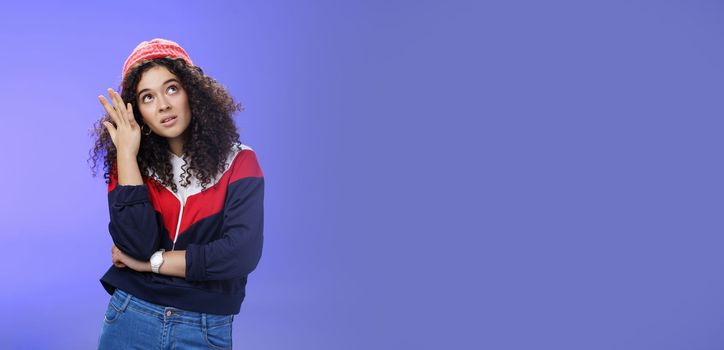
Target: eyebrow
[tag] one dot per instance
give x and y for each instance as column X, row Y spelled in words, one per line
column 164, row 83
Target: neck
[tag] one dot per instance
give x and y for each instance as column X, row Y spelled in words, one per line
column 176, row 145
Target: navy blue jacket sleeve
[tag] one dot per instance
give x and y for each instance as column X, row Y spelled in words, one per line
column 238, row 251
column 134, row 225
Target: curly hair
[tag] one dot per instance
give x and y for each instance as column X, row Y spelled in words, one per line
column 210, row 135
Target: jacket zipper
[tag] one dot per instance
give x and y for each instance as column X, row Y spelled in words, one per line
column 178, row 224
column 180, row 216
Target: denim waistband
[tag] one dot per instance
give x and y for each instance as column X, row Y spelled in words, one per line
column 122, row 300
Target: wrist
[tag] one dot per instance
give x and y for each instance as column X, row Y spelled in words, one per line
column 125, row 155
column 156, row 261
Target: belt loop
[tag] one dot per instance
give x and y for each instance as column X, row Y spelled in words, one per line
column 125, row 302
column 203, row 321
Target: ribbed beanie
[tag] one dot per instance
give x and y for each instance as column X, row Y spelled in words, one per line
column 155, row 48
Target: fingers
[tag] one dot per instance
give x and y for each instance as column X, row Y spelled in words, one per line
column 111, row 129
column 129, row 111
column 117, row 263
column 116, row 257
column 121, row 114
column 118, row 105
column 109, row 109
column 124, row 109
column 114, row 107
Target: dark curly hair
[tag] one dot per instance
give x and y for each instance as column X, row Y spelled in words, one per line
column 210, row 135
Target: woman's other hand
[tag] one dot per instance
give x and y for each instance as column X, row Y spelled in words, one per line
column 120, row 259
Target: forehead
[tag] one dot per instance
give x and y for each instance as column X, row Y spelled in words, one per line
column 154, row 77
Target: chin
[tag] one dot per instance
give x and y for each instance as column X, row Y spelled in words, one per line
column 169, row 134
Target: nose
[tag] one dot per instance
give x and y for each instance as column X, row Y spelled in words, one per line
column 164, row 105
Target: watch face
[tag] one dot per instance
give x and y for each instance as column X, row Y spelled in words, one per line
column 156, row 259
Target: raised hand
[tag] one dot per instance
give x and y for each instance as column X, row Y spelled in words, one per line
column 126, row 133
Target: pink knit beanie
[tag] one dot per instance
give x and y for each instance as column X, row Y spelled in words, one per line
column 155, row 48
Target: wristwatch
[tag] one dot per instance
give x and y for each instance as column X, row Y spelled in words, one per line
column 157, row 260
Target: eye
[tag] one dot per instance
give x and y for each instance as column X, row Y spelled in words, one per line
column 172, row 89
column 146, row 98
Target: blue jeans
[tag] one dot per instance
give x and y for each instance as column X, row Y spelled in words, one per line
column 132, row 323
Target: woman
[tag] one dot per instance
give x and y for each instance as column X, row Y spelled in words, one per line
column 185, row 201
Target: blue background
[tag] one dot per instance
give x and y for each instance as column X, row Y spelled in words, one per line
column 439, row 174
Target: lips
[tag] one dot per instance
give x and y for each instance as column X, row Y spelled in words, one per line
column 168, row 120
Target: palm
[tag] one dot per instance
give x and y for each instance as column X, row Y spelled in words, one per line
column 125, row 134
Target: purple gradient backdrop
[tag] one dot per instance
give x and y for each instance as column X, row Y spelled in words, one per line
column 440, row 175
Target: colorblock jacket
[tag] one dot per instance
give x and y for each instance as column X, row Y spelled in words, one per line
column 220, row 228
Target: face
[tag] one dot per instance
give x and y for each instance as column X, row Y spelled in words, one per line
column 163, row 103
